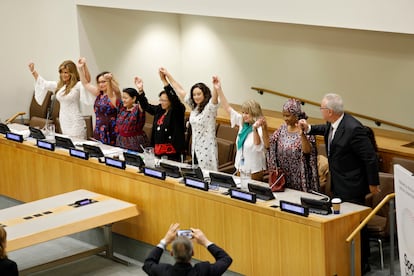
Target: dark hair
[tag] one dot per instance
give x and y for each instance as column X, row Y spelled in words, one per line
column 182, row 249
column 206, row 92
column 132, row 92
column 163, row 92
column 101, row 74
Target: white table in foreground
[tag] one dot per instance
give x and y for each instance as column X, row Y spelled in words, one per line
column 57, row 216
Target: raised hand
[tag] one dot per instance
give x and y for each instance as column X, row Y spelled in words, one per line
column 216, row 82
column 31, row 66
column 139, row 84
column 108, row 77
column 81, row 62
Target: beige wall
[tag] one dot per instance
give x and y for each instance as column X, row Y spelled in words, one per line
column 372, row 70
column 44, row 31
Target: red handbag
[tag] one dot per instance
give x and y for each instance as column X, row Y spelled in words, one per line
column 277, row 180
column 161, row 149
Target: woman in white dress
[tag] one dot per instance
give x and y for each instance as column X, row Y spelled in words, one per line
column 204, row 105
column 253, row 138
column 70, row 93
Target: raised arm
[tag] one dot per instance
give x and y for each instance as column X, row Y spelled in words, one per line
column 162, row 72
column 306, row 145
column 33, row 70
column 261, row 122
column 177, row 87
column 85, row 77
column 219, row 92
column 223, row 260
column 111, row 90
column 113, row 85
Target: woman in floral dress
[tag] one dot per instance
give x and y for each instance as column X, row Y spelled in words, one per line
column 204, row 105
column 294, row 151
column 105, row 112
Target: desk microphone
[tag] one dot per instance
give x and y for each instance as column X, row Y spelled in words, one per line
column 325, row 197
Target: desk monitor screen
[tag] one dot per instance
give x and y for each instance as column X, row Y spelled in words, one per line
column 193, row 173
column 133, row 160
column 262, row 192
column 64, row 142
column 94, row 151
column 196, row 183
column 222, row 180
column 171, row 170
column 36, row 133
column 4, row 128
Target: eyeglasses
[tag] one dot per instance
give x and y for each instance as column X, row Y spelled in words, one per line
column 322, row 108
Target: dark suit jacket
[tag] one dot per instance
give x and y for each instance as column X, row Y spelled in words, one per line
column 173, row 129
column 352, row 159
column 8, row 267
column 153, row 267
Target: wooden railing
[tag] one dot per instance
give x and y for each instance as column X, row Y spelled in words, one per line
column 388, row 198
column 377, row 121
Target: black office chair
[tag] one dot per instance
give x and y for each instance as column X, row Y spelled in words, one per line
column 378, row 227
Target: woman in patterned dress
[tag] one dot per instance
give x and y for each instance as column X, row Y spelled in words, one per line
column 294, row 151
column 130, row 120
column 204, row 105
column 105, row 112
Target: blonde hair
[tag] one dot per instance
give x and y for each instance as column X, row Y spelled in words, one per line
column 74, row 76
column 252, row 108
column 3, row 241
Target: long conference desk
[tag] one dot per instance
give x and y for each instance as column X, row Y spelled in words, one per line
column 261, row 240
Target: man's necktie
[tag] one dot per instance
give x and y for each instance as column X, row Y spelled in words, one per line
column 330, row 139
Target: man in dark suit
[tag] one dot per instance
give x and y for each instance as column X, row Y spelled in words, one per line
column 182, row 251
column 351, row 156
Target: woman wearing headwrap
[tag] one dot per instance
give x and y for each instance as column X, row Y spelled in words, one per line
column 293, row 151
column 253, row 137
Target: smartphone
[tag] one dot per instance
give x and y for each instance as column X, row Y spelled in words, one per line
column 185, row 233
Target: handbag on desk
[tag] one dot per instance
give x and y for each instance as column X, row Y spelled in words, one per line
column 277, row 180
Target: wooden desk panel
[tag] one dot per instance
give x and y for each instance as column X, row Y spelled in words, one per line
column 260, row 239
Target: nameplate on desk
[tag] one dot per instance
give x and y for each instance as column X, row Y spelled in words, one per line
column 14, row 137
column 196, row 183
column 45, row 145
column 116, row 163
column 153, row 172
column 83, row 202
column 293, row 208
column 243, row 195
column 78, row 153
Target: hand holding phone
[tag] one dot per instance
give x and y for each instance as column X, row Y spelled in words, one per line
column 186, row 233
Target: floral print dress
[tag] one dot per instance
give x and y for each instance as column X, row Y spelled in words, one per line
column 301, row 170
column 204, row 143
column 105, row 114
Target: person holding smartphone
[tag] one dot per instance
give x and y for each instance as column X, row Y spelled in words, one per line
column 182, row 251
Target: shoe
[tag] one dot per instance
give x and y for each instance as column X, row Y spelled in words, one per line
column 365, row 268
